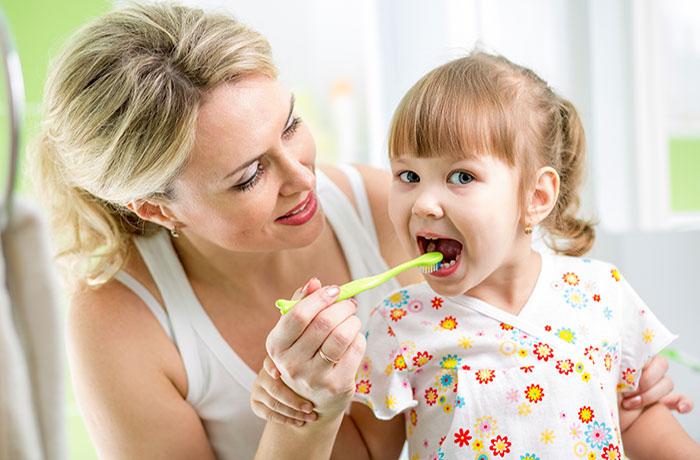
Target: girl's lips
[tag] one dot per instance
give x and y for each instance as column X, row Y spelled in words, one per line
column 446, row 271
column 450, row 248
column 301, row 213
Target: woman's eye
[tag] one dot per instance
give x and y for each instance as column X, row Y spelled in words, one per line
column 256, row 171
column 290, row 129
column 460, row 178
column 409, row 176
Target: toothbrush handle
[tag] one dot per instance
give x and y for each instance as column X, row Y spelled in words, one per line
column 347, row 290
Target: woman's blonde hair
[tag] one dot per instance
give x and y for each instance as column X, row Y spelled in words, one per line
column 120, row 107
column 483, row 104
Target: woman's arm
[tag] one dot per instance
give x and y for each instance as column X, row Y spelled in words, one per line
column 129, row 380
column 656, row 435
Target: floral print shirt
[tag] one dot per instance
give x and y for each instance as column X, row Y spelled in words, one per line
column 476, row 382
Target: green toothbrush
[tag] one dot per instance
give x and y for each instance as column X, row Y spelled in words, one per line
column 428, row 262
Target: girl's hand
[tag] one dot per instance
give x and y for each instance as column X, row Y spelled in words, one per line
column 656, row 386
column 272, row 400
column 317, row 347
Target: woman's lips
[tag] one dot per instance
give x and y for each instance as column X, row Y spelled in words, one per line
column 301, row 213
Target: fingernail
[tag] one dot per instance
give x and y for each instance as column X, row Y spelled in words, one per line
column 306, row 287
column 354, row 301
column 310, row 417
column 683, row 407
column 632, row 402
column 306, row 408
column 298, row 422
column 332, row 291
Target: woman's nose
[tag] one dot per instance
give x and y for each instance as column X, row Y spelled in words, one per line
column 296, row 176
column 427, row 204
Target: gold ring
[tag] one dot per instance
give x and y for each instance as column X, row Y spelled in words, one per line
column 327, row 358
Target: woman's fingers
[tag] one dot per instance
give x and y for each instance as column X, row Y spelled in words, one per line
column 341, row 338
column 271, row 369
column 678, row 401
column 273, row 400
column 290, row 326
column 653, row 385
column 322, row 327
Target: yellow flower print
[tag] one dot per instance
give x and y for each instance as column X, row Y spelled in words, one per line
column 365, row 367
column 390, row 402
column 388, row 369
column 547, row 436
column 615, row 274
column 400, row 363
column 592, row 456
column 522, row 352
column 648, row 336
column 477, row 445
column 524, row 409
column 447, row 408
column 570, row 278
column 466, row 342
column 449, row 323
column 585, row 376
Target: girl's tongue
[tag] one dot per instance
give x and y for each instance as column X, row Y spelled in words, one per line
column 449, row 249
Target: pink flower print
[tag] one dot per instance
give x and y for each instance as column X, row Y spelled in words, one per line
column 425, row 443
column 575, row 430
column 513, row 395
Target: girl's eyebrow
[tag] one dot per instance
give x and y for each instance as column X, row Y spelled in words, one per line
column 245, row 165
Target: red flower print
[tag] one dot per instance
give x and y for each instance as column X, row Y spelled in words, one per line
column 449, row 323
column 628, row 376
column 586, row 414
column 413, row 417
column 615, row 274
column 565, row 366
column 570, row 278
column 596, row 297
column 390, row 331
column 363, row 387
column 548, row 328
column 442, row 440
column 466, row 368
column 431, row 396
column 400, row 363
column 506, row 327
column 485, row 375
column 611, row 453
column 543, row 351
column 589, row 352
column 421, row 358
column 436, row 302
column 462, row 438
column 500, row 446
column 534, row 393
column 527, row 369
column 397, row 313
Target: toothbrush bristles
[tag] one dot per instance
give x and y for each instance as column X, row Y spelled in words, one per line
column 431, row 268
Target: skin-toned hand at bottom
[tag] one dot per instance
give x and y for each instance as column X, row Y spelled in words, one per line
column 656, row 386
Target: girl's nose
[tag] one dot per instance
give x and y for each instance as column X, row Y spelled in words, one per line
column 296, row 176
column 427, row 204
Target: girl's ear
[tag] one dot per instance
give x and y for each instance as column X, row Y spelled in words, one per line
column 543, row 197
column 154, row 212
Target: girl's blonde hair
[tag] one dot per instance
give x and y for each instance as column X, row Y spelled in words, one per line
column 486, row 105
column 120, row 107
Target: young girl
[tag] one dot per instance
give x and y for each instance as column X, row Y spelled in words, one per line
column 505, row 352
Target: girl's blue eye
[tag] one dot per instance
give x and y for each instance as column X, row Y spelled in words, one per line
column 409, row 176
column 460, row 178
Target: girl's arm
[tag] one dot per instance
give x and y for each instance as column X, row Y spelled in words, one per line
column 656, row 435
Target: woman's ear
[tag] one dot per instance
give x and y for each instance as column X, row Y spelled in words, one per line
column 154, row 212
column 543, row 197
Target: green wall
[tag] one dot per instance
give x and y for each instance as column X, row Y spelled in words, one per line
column 685, row 174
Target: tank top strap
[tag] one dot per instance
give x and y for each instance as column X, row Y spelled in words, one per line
column 147, row 298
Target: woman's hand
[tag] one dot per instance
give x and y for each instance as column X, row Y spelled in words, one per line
column 655, row 386
column 271, row 399
column 317, row 347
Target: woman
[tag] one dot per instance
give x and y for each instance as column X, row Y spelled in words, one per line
column 185, row 199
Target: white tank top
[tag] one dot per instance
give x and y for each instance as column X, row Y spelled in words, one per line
column 219, row 381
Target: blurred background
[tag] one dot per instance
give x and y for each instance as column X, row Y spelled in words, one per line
column 631, row 67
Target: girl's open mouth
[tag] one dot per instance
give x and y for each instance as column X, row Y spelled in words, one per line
column 449, row 248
